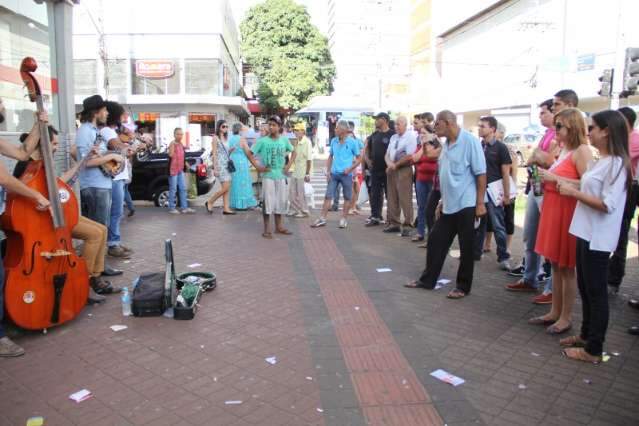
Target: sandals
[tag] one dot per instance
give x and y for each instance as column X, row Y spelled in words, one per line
column 580, row 354
column 572, row 341
column 456, row 294
column 541, row 321
column 553, row 329
column 415, row 284
column 267, row 235
column 283, row 231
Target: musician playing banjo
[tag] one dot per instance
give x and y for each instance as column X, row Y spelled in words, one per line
column 95, row 186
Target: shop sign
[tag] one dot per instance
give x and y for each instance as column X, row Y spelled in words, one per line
column 201, row 118
column 154, row 69
column 148, row 116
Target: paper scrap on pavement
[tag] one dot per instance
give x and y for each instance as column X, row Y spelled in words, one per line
column 118, row 327
column 35, row 421
column 80, row 396
column 174, row 234
column 447, row 377
column 522, row 386
column 194, row 265
column 309, row 378
column 384, row 270
column 588, row 381
column 442, row 283
column 319, row 410
column 271, row 360
column 605, row 358
column 534, row 354
column 456, row 254
column 357, row 308
column 232, row 402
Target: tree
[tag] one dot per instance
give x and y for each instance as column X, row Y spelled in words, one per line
column 287, row 53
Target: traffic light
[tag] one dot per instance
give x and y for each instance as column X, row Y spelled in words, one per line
column 630, row 72
column 606, row 82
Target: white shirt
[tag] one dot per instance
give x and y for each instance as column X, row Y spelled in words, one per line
column 604, row 179
column 109, row 134
column 402, row 145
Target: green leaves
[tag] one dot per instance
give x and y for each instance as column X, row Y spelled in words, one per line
column 287, row 53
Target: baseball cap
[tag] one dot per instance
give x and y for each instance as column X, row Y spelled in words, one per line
column 382, row 115
column 300, row 126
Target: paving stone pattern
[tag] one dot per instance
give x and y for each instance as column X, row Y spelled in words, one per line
column 295, row 298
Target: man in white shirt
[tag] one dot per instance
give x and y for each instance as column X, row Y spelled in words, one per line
column 399, row 178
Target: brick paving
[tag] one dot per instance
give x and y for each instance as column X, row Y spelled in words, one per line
column 295, row 298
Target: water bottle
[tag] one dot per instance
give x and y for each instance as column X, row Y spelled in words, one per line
column 126, row 302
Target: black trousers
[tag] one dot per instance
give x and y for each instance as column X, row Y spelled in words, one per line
column 440, row 238
column 592, row 278
column 377, row 194
column 617, row 266
column 431, row 205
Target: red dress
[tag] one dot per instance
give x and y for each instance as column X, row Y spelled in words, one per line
column 554, row 242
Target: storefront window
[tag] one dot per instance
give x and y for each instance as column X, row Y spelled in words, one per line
column 24, row 31
column 84, row 76
column 155, row 77
column 118, row 76
column 202, row 76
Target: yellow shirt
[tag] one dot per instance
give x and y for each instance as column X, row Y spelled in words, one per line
column 304, row 153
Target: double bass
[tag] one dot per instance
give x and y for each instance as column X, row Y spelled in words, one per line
column 47, row 283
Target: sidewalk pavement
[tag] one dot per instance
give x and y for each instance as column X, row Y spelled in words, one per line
column 353, row 346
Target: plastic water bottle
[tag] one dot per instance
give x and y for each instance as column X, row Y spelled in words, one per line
column 126, row 302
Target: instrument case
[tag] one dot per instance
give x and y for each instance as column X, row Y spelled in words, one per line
column 154, row 292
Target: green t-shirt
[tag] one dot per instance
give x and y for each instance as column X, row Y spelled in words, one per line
column 272, row 153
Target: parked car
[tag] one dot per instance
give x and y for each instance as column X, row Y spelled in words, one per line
column 523, row 144
column 151, row 176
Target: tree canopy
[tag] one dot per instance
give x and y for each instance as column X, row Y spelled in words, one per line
column 287, row 53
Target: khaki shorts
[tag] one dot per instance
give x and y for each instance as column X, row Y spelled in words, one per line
column 275, row 192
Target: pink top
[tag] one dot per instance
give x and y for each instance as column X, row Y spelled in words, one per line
column 633, row 143
column 177, row 161
column 544, row 143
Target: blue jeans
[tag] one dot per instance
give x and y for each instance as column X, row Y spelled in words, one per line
column 347, row 186
column 336, row 195
column 96, row 204
column 127, row 198
column 177, row 182
column 117, row 208
column 497, row 217
column 422, row 190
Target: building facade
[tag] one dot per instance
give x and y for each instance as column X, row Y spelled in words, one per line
column 177, row 69
column 42, row 30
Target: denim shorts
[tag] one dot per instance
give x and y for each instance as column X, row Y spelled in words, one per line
column 347, row 186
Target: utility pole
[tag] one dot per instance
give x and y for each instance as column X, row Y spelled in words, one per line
column 620, row 58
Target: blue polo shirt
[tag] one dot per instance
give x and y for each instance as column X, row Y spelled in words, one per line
column 343, row 154
column 459, row 165
column 90, row 177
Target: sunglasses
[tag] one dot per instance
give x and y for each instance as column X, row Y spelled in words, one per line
column 224, row 127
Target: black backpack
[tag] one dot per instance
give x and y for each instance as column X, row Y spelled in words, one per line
column 155, row 291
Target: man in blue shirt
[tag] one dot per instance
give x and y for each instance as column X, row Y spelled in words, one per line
column 95, row 186
column 343, row 159
column 462, row 174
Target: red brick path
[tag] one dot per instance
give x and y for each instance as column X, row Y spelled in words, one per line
column 386, row 386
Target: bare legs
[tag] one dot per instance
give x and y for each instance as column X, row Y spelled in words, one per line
column 224, row 192
column 327, row 205
column 564, row 284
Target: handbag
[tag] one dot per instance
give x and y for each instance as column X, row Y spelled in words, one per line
column 230, row 166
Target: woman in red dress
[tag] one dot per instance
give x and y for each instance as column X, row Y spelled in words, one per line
column 554, row 242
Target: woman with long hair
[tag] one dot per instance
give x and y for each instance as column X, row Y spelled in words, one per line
column 242, row 196
column 220, row 152
column 554, row 242
column 601, row 197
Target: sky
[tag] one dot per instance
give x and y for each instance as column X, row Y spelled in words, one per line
column 317, row 10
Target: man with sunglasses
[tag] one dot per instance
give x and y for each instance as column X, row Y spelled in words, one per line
column 462, row 173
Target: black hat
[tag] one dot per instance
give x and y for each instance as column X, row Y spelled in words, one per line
column 382, row 115
column 275, row 119
column 92, row 103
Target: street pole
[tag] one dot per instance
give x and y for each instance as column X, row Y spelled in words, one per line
column 620, row 58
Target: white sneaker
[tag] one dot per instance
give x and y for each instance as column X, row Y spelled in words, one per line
column 505, row 265
column 319, row 222
column 9, row 348
column 188, row 210
column 299, row 215
column 174, row 211
column 342, row 223
column 291, row 214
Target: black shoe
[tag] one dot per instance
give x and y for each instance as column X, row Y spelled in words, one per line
column 543, row 277
column 405, row 233
column 111, row 272
column 391, row 229
column 634, row 330
column 372, row 222
column 633, row 303
column 131, row 213
column 334, row 208
column 517, row 272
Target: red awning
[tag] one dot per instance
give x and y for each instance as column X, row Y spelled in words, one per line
column 254, row 107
